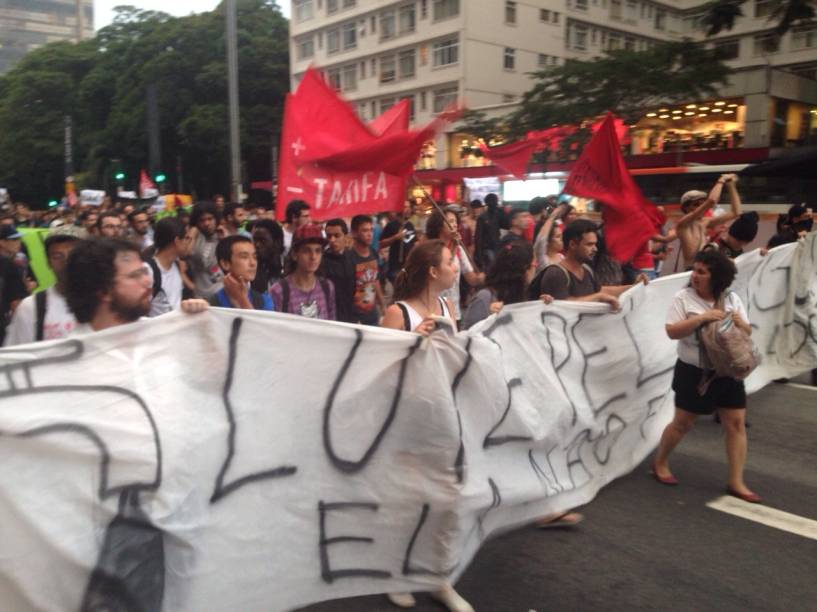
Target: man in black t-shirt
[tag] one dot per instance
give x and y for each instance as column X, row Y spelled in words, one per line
column 338, row 267
column 368, row 294
column 573, row 279
column 399, row 236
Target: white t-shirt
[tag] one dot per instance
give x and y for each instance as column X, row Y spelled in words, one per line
column 461, row 264
column 172, row 284
column 58, row 323
column 687, row 303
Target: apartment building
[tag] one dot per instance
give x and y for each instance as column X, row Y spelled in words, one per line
column 28, row 24
column 483, row 51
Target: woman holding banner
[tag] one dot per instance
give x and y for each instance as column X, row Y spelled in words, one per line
column 420, row 308
column 707, row 299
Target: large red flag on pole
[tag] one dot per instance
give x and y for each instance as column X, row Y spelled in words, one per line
column 600, row 173
column 338, row 164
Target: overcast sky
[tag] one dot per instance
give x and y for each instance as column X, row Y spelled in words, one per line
column 103, row 9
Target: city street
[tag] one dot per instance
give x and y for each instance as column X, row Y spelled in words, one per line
column 644, row 546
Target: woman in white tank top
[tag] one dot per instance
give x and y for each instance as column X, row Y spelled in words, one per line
column 429, row 271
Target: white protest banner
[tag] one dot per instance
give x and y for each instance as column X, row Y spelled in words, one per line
column 251, row 461
column 91, row 197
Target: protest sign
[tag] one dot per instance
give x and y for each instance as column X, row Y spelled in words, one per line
column 248, row 461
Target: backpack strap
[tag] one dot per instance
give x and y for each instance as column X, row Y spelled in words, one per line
column 157, row 275
column 284, row 295
column 406, row 318
column 40, row 299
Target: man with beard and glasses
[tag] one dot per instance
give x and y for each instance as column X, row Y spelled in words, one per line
column 108, row 284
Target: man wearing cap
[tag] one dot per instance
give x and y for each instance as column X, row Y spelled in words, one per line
column 692, row 227
column 303, row 292
column 45, row 315
column 12, row 285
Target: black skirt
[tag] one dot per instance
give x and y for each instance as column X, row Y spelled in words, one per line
column 723, row 392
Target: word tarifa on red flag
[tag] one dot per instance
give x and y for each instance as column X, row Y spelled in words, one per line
column 338, row 164
column 630, row 220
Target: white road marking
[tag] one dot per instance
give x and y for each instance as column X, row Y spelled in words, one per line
column 798, row 525
column 802, row 386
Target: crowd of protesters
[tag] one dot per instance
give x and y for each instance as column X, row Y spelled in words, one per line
column 416, row 271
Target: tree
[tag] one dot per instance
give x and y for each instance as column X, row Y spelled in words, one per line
column 102, row 83
column 721, row 15
column 624, row 82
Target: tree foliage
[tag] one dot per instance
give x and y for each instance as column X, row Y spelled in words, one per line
column 102, row 84
column 722, row 14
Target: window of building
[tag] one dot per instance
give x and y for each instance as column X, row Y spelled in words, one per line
column 331, row 6
column 660, row 20
column 615, row 9
column 333, row 40
column 510, row 12
column 594, row 35
column 446, row 52
column 804, row 37
column 764, row 8
column 406, row 61
column 305, row 48
column 388, row 69
column 349, row 77
column 303, row 10
column 580, row 4
column 349, row 31
column 374, row 108
column 509, row 59
column 577, row 35
column 388, row 25
column 386, row 104
column 631, row 10
column 727, row 49
column 423, row 11
column 765, row 43
column 544, row 15
column 443, row 98
column 443, row 9
column 362, row 70
column 349, row 3
column 555, row 17
column 629, row 43
column 423, row 105
column 361, row 110
column 542, row 60
column 333, row 78
column 613, row 42
column 406, row 20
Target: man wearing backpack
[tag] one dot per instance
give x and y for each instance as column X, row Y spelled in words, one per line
column 303, row 292
column 573, row 278
column 237, row 259
column 173, row 242
column 45, row 315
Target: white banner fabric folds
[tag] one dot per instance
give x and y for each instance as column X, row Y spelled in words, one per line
column 251, row 461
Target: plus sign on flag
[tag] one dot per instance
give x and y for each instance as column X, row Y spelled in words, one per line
column 338, row 164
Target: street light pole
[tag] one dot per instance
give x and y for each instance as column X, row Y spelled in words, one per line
column 232, row 76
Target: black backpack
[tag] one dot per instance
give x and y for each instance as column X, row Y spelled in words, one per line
column 285, row 293
column 40, row 300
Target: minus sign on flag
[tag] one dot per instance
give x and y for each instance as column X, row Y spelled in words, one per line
column 295, row 189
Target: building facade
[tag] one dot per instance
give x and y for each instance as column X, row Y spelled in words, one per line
column 28, row 24
column 483, row 51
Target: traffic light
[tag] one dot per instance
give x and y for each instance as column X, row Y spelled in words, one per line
column 52, row 203
column 119, row 176
column 161, row 178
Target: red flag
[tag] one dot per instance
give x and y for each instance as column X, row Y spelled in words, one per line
column 337, row 163
column 600, row 173
column 147, row 188
column 513, row 157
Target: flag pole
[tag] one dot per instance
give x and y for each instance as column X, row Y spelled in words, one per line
column 447, row 224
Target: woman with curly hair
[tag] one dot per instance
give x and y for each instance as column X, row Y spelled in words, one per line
column 707, row 299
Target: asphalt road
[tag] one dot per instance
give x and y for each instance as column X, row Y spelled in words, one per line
column 644, row 546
